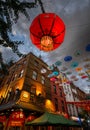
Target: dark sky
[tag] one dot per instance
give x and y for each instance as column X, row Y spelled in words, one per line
column 76, row 16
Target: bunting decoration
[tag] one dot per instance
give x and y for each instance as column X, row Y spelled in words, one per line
column 85, row 104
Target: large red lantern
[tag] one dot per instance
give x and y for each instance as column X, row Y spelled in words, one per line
column 47, row 31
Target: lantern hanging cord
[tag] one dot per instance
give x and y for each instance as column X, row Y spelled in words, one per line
column 41, row 5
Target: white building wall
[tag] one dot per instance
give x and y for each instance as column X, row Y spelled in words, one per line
column 72, row 110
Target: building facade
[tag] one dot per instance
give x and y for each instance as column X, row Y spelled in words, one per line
column 57, row 93
column 27, row 89
column 78, row 95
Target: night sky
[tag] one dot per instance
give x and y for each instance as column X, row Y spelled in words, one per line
column 76, row 16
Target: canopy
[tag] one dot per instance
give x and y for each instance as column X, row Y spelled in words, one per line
column 52, row 119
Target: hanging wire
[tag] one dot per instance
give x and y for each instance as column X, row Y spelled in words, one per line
column 43, row 11
column 41, row 5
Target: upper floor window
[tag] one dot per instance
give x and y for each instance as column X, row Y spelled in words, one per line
column 24, row 62
column 43, row 70
column 63, row 106
column 33, row 90
column 36, row 63
column 54, row 89
column 8, row 81
column 43, row 80
column 34, row 76
column 21, row 73
column 60, row 93
column 15, row 75
column 32, row 97
column 56, row 104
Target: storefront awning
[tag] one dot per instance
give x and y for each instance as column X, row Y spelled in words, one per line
column 52, row 119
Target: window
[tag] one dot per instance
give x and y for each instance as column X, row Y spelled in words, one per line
column 32, row 97
column 43, row 80
column 63, row 109
column 12, row 78
column 33, row 90
column 56, row 104
column 36, row 63
column 21, row 73
column 15, row 75
column 43, row 70
column 24, row 62
column 60, row 93
column 9, row 80
column 34, row 76
column 54, row 89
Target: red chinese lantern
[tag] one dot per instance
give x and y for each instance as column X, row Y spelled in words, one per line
column 47, row 31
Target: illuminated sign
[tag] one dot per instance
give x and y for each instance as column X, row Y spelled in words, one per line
column 15, row 123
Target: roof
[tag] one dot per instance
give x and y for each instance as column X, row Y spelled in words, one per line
column 52, row 119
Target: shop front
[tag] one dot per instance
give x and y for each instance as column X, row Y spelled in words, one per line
column 16, row 121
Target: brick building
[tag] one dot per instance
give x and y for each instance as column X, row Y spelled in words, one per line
column 58, row 96
column 27, row 89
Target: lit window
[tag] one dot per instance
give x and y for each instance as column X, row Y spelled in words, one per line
column 25, row 96
column 34, row 76
column 43, row 80
column 21, row 73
